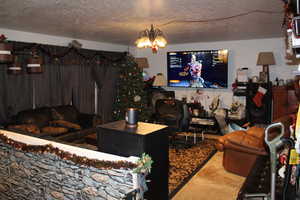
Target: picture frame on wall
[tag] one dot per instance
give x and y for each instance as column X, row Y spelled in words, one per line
column 263, row 77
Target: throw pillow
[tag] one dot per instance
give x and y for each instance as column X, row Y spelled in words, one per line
column 31, row 128
column 257, row 132
column 66, row 124
column 96, row 120
column 68, row 113
column 56, row 115
column 54, row 130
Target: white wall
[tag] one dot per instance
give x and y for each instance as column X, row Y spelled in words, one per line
column 242, row 53
column 22, row 36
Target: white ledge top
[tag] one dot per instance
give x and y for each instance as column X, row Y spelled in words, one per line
column 29, row 140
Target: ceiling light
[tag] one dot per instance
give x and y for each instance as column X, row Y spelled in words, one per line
column 153, row 38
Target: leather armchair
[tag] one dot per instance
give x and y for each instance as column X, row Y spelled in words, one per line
column 242, row 148
column 169, row 112
column 174, row 114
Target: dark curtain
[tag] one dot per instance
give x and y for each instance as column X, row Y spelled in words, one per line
column 69, row 77
column 47, row 85
column 67, row 83
column 108, row 93
column 15, row 90
column 98, row 74
column 77, row 82
column 16, row 93
column 84, row 89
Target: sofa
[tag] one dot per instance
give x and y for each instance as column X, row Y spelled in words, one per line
column 53, row 121
column 242, row 148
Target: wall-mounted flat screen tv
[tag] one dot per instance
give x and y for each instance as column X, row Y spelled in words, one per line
column 198, row 69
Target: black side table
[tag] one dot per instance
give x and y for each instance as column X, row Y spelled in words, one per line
column 199, row 124
column 117, row 138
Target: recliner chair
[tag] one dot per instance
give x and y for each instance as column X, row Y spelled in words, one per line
column 174, row 114
column 241, row 148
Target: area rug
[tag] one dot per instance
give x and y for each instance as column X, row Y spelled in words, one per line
column 186, row 162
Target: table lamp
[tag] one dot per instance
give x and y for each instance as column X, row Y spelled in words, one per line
column 265, row 59
column 142, row 62
column 159, row 80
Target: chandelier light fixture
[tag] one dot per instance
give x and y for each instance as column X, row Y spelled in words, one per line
column 153, row 38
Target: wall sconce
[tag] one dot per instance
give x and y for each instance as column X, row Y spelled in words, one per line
column 5, row 51
column 34, row 65
column 15, row 68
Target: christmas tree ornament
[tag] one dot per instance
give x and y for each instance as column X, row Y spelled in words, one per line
column 137, row 98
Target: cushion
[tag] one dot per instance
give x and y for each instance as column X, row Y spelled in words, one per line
column 54, row 130
column 247, row 142
column 232, row 134
column 257, row 132
column 66, row 124
column 67, row 112
column 96, row 120
column 39, row 117
column 56, row 115
column 31, row 128
column 160, row 95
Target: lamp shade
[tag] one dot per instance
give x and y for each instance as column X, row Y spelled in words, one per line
column 142, row 62
column 159, row 80
column 265, row 58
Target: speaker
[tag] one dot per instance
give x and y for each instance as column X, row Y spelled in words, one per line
column 259, row 114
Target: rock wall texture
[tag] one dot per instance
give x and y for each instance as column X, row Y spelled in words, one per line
column 45, row 176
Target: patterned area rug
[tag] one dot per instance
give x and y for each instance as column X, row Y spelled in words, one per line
column 185, row 162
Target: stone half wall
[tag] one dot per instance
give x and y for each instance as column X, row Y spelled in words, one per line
column 33, row 175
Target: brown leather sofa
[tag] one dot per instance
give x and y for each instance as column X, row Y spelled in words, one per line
column 53, row 121
column 241, row 148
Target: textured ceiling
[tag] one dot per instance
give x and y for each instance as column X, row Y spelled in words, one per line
column 120, row 21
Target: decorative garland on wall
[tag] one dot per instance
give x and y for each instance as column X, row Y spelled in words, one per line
column 42, row 49
column 42, row 149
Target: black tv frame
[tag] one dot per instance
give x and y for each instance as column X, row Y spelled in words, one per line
column 197, row 51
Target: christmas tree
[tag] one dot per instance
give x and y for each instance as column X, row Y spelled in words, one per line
column 130, row 91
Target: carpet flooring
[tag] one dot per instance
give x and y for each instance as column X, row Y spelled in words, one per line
column 186, row 162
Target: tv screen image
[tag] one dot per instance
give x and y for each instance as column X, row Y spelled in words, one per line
column 198, row 69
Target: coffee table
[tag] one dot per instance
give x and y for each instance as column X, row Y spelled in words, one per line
column 199, row 124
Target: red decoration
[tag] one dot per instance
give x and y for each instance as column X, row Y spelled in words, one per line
column 2, row 38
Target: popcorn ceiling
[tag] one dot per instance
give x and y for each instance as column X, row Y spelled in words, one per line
column 120, row 21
